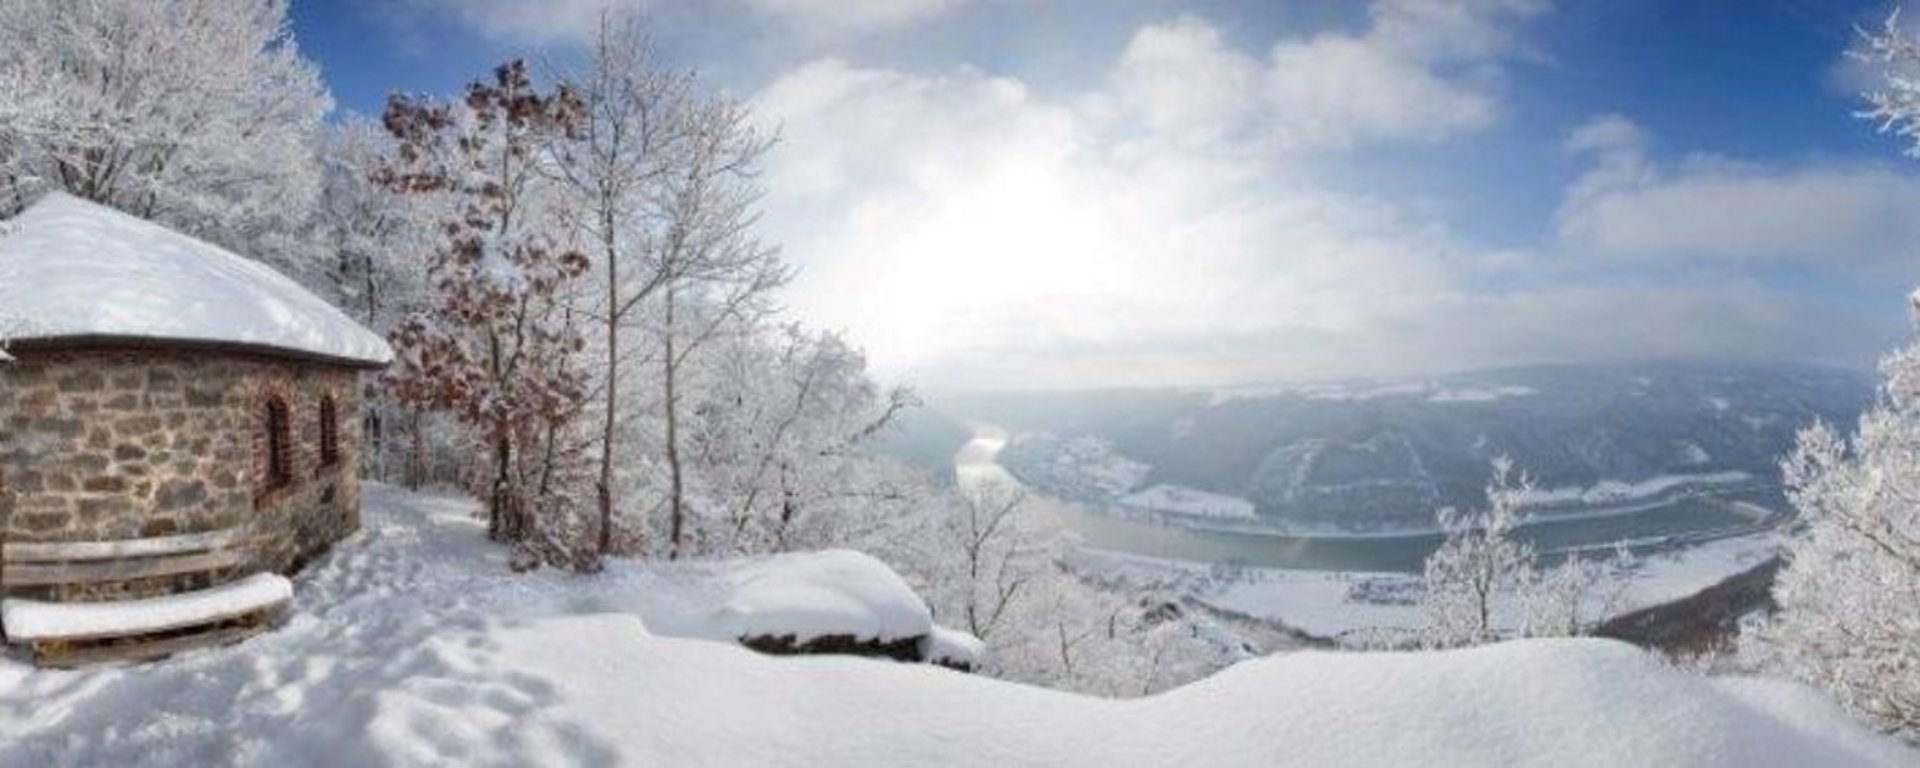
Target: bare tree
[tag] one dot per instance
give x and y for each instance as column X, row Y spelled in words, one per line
column 719, row 276
column 633, row 135
column 991, row 550
column 665, row 181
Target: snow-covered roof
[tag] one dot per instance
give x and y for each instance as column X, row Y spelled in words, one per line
column 72, row 269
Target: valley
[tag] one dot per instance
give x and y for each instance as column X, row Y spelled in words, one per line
column 1689, row 523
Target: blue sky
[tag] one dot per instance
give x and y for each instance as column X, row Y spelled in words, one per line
column 1055, row 193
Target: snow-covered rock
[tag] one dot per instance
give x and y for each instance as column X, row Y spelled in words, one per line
column 805, row 595
column 953, row 648
column 70, row 268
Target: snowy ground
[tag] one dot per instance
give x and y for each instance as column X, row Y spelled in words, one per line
column 412, row 645
column 1181, row 501
column 1341, row 604
column 1613, row 492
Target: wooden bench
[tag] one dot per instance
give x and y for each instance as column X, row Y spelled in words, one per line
column 65, row 633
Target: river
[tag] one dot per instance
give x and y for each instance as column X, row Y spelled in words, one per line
column 1681, row 521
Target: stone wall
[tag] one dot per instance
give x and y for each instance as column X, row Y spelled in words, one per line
column 126, row 444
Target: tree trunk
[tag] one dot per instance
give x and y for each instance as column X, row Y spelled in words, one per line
column 373, row 435
column 676, row 504
column 604, row 488
column 501, row 525
column 417, row 454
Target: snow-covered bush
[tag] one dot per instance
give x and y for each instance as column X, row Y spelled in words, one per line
column 1483, row 585
column 1849, row 596
column 1480, row 569
column 1566, row 598
column 990, row 562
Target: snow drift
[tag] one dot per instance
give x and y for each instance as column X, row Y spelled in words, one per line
column 1564, row 703
column 412, row 645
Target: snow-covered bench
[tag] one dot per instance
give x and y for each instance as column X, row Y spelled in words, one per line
column 65, row 633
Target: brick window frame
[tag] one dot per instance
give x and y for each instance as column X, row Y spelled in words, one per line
column 276, row 454
column 277, row 423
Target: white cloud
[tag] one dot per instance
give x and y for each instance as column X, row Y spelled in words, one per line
column 1166, row 226
column 1444, row 30
column 1606, row 135
column 573, row 22
column 1709, row 208
column 980, row 221
column 1337, row 90
column 1186, row 82
column 1418, row 71
column 1423, row 70
column 515, row 21
column 857, row 14
column 968, row 231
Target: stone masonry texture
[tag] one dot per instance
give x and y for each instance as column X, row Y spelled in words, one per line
column 101, row 445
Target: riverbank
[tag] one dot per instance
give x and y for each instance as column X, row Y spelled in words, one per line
column 1363, row 590
column 1361, row 607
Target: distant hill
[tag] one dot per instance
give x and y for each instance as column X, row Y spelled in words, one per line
column 1368, row 455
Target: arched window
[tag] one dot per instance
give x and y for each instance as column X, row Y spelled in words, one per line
column 279, row 446
column 329, row 432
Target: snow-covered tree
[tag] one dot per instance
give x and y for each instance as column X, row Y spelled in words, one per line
column 722, row 276
column 990, row 561
column 1895, row 105
column 630, row 138
column 1565, row 599
column 368, row 243
column 662, row 190
column 499, row 347
column 1483, row 584
column 1000, row 555
column 369, row 235
column 1480, row 571
column 201, row 114
column 779, row 428
column 1849, row 596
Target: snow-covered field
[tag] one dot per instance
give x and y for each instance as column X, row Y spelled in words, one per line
column 1188, row 502
column 1619, row 491
column 413, row 645
column 1342, row 604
